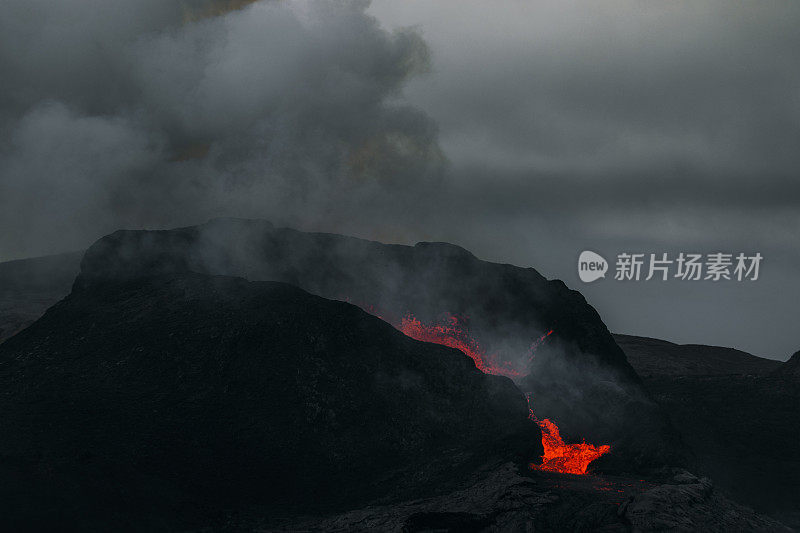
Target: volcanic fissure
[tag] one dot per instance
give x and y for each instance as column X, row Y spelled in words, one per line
column 565, row 458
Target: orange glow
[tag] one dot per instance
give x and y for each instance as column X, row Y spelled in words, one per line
column 454, row 335
column 558, row 455
column 566, row 458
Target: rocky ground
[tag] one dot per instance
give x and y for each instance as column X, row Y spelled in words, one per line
column 739, row 414
column 507, row 499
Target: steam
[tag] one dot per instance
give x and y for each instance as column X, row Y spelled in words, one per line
column 150, row 113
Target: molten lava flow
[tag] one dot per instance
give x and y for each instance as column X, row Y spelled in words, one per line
column 566, row 458
column 454, row 335
column 558, row 456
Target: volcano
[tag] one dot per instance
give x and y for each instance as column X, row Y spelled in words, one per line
column 166, row 393
column 579, row 378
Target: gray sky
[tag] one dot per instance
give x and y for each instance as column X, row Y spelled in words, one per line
column 626, row 126
column 525, row 131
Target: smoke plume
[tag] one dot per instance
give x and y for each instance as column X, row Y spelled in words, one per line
column 148, row 113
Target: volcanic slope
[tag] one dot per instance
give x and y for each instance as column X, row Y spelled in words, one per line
column 29, row 286
column 578, row 377
column 158, row 402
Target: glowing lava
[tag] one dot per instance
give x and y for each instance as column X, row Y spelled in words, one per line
column 565, row 458
column 454, row 335
column 558, row 455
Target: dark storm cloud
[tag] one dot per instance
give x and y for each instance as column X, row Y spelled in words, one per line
column 614, row 88
column 119, row 113
column 624, row 125
column 621, row 121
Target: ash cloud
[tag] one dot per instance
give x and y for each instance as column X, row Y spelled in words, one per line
column 150, row 113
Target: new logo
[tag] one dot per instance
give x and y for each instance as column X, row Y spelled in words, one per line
column 591, row 266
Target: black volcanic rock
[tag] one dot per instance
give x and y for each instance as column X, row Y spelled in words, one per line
column 738, row 413
column 743, row 431
column 579, row 377
column 791, row 368
column 154, row 403
column 655, row 357
column 504, row 499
